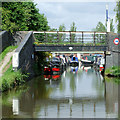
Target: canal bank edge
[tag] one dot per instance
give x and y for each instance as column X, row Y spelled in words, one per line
column 19, row 76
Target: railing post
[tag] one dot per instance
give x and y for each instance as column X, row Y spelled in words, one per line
column 45, row 37
column 94, row 38
column 58, row 36
column 82, row 38
column 70, row 38
column 107, row 40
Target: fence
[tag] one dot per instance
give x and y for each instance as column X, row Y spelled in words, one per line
column 69, row 37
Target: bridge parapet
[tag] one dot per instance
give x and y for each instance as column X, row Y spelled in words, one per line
column 71, row 37
column 22, row 58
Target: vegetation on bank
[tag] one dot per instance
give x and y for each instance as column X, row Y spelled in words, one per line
column 113, row 71
column 68, row 43
column 112, row 79
column 10, row 79
column 4, row 53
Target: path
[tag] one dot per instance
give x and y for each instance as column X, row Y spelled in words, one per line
column 5, row 61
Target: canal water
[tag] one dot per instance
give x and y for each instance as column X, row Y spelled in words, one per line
column 79, row 92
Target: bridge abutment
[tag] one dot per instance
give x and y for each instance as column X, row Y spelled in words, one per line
column 23, row 58
column 113, row 53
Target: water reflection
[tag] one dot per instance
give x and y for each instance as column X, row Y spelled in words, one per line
column 80, row 92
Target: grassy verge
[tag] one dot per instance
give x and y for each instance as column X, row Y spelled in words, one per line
column 111, row 79
column 113, row 71
column 10, row 79
column 8, row 49
column 68, row 43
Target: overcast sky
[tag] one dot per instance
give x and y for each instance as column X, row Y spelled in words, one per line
column 86, row 15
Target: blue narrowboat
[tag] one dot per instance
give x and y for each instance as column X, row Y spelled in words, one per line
column 74, row 61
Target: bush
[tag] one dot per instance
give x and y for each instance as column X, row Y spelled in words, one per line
column 115, row 71
column 11, row 79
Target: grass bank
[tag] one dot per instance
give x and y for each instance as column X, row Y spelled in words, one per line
column 10, row 79
column 113, row 71
column 68, row 43
column 112, row 79
column 4, row 53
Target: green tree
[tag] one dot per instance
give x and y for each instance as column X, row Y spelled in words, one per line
column 62, row 27
column 112, row 29
column 73, row 28
column 22, row 16
column 100, row 28
column 62, row 36
column 117, row 9
column 103, row 28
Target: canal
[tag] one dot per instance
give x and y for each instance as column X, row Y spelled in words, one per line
column 79, row 92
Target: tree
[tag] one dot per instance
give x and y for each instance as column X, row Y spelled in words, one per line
column 103, row 28
column 118, row 15
column 22, row 16
column 73, row 28
column 112, row 29
column 100, row 28
column 62, row 36
column 62, row 27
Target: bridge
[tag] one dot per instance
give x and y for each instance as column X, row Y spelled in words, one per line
column 70, row 41
column 54, row 41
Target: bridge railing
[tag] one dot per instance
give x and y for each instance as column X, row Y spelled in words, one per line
column 70, row 37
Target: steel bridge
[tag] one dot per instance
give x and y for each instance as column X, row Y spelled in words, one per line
column 70, row 41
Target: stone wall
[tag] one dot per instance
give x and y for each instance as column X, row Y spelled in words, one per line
column 25, row 51
column 19, row 36
column 113, row 59
column 6, row 40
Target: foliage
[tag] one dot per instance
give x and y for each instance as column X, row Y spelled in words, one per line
column 112, row 29
column 4, row 53
column 11, row 79
column 22, row 16
column 100, row 27
column 111, row 79
column 73, row 28
column 62, row 27
column 67, row 43
column 115, row 71
column 62, row 36
column 117, row 9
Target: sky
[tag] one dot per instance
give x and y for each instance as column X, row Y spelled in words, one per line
column 86, row 15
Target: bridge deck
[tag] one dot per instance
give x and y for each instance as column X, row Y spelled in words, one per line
column 69, row 48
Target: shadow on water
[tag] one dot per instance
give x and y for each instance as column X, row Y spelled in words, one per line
column 79, row 92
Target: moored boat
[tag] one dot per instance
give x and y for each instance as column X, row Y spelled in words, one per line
column 87, row 60
column 74, row 61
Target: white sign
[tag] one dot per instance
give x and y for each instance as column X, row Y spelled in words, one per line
column 70, row 48
column 116, row 41
column 15, row 60
column 15, row 106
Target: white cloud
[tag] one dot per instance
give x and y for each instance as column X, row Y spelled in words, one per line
column 75, row 1
column 85, row 15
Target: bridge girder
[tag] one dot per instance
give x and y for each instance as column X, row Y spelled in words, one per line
column 52, row 48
